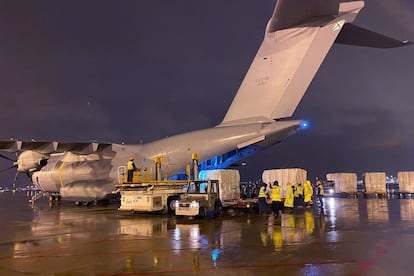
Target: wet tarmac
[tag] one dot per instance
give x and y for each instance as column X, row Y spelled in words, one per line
column 352, row 236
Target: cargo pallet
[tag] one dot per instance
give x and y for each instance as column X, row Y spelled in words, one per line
column 406, row 195
column 350, row 195
column 375, row 195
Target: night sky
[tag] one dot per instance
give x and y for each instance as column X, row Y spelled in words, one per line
column 131, row 71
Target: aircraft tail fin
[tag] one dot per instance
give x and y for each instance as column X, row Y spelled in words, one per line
column 289, row 13
column 298, row 36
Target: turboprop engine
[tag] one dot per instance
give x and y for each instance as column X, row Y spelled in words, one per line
column 30, row 161
column 85, row 177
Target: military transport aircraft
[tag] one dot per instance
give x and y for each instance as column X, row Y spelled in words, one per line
column 297, row 38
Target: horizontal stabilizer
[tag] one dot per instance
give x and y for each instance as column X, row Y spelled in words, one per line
column 354, row 35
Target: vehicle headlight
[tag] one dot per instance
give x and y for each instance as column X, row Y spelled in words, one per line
column 176, row 203
column 194, row 204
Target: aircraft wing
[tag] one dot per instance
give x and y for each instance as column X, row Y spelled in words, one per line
column 52, row 146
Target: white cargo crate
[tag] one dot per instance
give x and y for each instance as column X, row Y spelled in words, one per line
column 406, row 181
column 375, row 182
column 229, row 181
column 283, row 176
column 344, row 182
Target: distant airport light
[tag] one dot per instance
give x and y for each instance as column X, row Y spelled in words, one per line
column 304, row 124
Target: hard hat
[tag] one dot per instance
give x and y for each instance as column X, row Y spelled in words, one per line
column 131, row 158
column 318, row 182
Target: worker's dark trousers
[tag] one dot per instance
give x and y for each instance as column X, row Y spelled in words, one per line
column 276, row 207
column 320, row 197
column 130, row 175
column 262, row 206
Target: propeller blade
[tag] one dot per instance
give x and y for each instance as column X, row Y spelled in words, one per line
column 8, row 158
column 3, row 170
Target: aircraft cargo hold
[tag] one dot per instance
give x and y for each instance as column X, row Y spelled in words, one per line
column 344, row 182
column 375, row 182
column 283, row 176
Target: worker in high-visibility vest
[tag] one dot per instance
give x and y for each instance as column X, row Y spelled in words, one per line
column 263, row 194
column 131, row 168
column 308, row 192
column 320, row 192
column 276, row 198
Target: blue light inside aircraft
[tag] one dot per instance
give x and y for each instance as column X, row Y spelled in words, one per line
column 222, row 161
column 304, row 125
column 225, row 160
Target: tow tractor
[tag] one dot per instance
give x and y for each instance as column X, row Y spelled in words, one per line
column 211, row 197
column 201, row 199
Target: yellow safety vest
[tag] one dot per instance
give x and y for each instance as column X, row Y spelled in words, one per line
column 299, row 191
column 262, row 192
column 130, row 166
column 275, row 195
column 321, row 192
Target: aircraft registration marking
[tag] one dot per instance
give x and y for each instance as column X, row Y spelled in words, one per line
column 262, row 80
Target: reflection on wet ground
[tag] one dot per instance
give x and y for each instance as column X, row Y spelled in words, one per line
column 349, row 237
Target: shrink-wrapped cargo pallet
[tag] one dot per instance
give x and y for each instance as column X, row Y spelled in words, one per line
column 283, row 176
column 344, row 182
column 229, row 181
column 375, row 182
column 406, row 182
